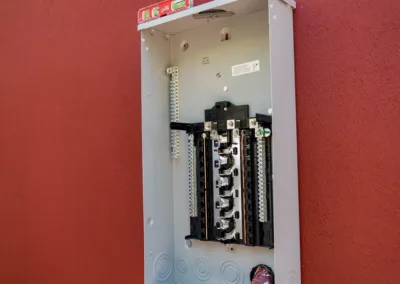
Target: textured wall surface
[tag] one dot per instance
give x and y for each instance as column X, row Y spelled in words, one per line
column 70, row 180
column 348, row 96
column 70, row 146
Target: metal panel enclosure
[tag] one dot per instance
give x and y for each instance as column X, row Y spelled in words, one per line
column 262, row 32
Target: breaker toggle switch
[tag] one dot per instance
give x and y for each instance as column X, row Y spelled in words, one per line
column 224, row 203
column 226, row 162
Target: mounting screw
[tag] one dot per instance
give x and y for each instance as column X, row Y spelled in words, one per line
column 231, row 124
column 230, row 248
column 253, row 123
column 189, row 243
column 207, row 126
column 236, row 132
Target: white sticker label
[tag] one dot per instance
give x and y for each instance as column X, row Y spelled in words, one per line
column 246, row 68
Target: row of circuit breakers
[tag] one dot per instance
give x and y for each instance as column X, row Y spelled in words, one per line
column 230, row 176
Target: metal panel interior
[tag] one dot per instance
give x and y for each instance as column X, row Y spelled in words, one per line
column 205, row 77
column 158, row 199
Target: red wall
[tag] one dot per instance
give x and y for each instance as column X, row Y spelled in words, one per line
column 348, row 96
column 70, row 180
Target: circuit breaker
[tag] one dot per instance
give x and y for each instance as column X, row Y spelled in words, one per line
column 219, row 149
column 230, row 176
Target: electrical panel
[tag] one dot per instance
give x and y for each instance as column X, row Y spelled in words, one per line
column 230, row 176
column 219, row 149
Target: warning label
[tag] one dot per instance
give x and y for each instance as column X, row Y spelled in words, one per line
column 246, row 68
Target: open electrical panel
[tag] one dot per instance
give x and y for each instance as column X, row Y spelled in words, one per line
column 219, row 143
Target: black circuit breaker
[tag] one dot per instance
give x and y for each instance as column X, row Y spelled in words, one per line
column 230, row 176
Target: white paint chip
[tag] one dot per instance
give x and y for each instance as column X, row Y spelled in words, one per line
column 246, row 68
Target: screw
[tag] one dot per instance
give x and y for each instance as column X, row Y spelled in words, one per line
column 189, row 243
column 254, row 122
column 230, row 123
column 231, row 248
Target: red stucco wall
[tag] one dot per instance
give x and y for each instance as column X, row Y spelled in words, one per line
column 348, row 97
column 70, row 180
